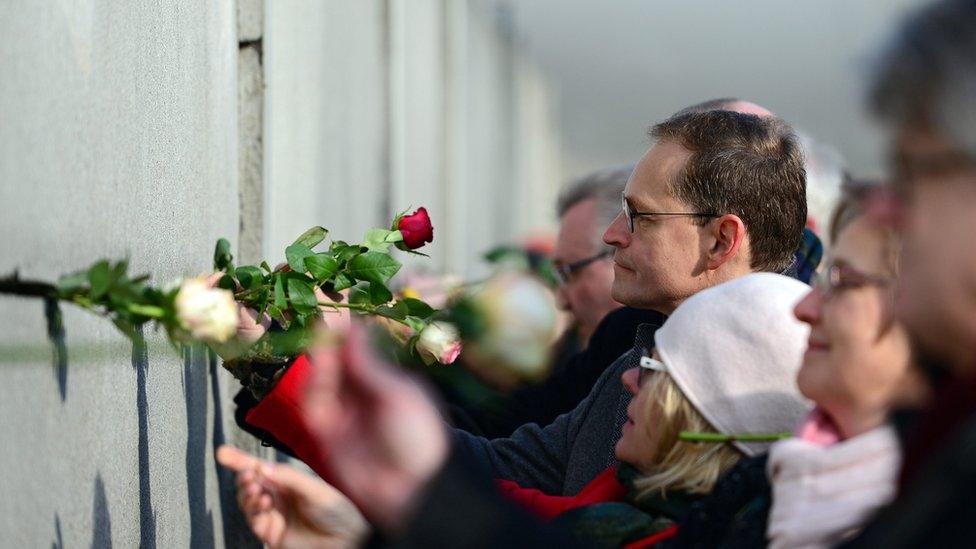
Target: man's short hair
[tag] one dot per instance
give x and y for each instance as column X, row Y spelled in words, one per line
column 745, row 165
column 605, row 187
column 928, row 73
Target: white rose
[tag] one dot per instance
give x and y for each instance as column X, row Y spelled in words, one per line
column 208, row 314
column 439, row 342
column 521, row 323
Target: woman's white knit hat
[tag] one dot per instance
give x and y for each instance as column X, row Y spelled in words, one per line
column 734, row 351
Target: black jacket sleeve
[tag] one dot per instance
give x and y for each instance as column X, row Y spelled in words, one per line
column 460, row 507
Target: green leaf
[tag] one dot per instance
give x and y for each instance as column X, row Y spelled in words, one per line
column 100, row 278
column 322, row 266
column 359, row 295
column 250, row 277
column 296, row 254
column 373, row 267
column 391, row 312
column 312, row 237
column 347, row 253
column 72, row 282
column 379, row 240
column 278, row 315
column 227, row 282
column 379, row 294
column 118, row 271
column 415, row 323
column 418, row 308
column 279, row 293
column 266, row 267
column 343, row 281
column 302, row 296
column 222, row 255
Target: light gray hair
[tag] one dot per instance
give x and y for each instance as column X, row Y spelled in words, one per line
column 928, row 73
column 605, row 187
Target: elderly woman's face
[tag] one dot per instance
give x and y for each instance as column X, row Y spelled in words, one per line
column 639, row 437
column 857, row 362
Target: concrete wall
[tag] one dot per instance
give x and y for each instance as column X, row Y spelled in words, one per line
column 118, row 137
column 406, row 104
column 150, row 130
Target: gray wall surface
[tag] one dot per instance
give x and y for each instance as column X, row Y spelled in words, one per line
column 118, row 138
column 406, row 103
column 149, row 130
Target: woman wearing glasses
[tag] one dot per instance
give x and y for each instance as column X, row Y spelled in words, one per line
column 842, row 466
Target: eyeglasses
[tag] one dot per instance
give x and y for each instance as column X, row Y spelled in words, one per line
column 564, row 273
column 838, row 278
column 647, row 366
column 631, row 214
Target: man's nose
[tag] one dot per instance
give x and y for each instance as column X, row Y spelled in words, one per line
column 617, row 234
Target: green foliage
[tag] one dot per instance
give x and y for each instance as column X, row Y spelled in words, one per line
column 321, row 266
column 379, row 240
column 286, row 294
column 301, row 295
column 373, row 267
column 296, row 254
column 418, row 308
column 249, row 277
column 223, row 259
column 379, row 294
column 312, row 237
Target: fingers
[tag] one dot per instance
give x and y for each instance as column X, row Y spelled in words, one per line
column 235, row 459
column 288, row 479
column 213, row 278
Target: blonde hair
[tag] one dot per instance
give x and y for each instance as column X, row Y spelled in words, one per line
column 691, row 467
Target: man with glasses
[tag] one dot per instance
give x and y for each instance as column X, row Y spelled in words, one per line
column 583, row 262
column 719, row 195
column 584, row 268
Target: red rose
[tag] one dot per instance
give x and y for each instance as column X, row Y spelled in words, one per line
column 416, row 229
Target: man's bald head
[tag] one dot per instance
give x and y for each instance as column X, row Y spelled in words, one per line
column 727, row 104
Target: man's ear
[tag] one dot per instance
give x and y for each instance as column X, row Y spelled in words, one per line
column 727, row 235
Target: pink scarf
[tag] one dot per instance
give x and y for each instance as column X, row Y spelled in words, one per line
column 824, row 489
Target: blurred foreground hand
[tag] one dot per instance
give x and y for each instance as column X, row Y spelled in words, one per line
column 289, row 509
column 381, row 435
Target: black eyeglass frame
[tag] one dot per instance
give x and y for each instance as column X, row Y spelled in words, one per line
column 631, row 214
column 564, row 273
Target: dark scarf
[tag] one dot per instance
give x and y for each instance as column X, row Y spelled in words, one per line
column 613, row 524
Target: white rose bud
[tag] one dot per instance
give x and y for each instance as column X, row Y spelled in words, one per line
column 521, row 319
column 208, row 314
column 439, row 342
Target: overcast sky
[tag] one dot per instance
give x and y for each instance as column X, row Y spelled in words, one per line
column 619, row 65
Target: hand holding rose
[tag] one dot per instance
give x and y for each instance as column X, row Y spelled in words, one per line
column 380, row 433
